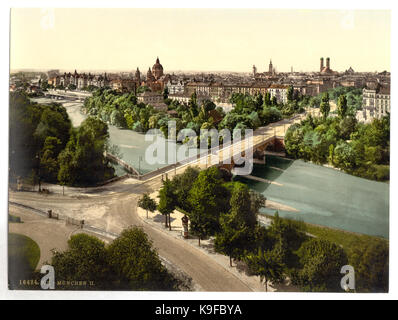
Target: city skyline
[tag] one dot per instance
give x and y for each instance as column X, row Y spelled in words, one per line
column 199, row 39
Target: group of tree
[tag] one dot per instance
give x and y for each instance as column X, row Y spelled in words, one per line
column 357, row 148
column 123, row 110
column 285, row 249
column 255, row 111
column 45, row 147
column 128, row 263
column 352, row 95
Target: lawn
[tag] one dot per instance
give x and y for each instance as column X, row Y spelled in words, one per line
column 23, row 256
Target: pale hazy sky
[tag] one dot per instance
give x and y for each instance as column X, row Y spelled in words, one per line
column 199, row 39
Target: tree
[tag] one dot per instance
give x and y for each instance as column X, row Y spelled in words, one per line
column 84, row 260
column 274, row 101
column 167, row 200
column 117, row 118
column 344, row 156
column 238, row 226
column 165, row 93
column 259, row 101
column 147, row 203
column 370, row 260
column 342, row 106
column 267, row 265
column 243, row 211
column 48, row 159
column 325, row 105
column 182, row 185
column 135, row 264
column 286, row 237
column 290, row 93
column 267, row 99
column 321, row 262
column 208, row 199
column 82, row 162
column 231, row 241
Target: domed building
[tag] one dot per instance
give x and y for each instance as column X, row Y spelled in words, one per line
column 155, row 78
column 157, row 69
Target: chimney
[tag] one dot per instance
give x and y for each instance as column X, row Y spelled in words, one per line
column 321, row 65
column 328, row 63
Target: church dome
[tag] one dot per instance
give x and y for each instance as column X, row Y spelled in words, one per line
column 157, row 69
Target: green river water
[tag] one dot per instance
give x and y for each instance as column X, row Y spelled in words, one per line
column 324, row 196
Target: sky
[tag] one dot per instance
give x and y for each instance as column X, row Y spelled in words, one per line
column 199, row 39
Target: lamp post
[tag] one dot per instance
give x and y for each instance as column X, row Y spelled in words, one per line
column 139, row 166
column 38, row 170
column 175, row 159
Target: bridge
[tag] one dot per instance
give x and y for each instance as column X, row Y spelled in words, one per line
column 124, row 164
column 267, row 140
column 67, row 95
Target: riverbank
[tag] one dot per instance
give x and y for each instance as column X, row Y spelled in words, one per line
column 346, row 239
column 273, row 205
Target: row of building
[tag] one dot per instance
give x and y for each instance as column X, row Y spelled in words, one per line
column 155, row 80
column 219, row 88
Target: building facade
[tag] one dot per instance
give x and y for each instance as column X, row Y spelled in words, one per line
column 279, row 91
column 80, row 81
column 376, row 99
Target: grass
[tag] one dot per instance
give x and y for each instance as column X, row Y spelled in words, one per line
column 343, row 238
column 23, row 257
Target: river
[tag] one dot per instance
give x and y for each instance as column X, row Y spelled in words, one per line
column 324, row 196
column 131, row 145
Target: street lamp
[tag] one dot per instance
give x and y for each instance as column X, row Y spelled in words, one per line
column 38, row 169
column 175, row 160
column 139, row 166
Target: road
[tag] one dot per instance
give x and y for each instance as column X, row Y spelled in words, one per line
column 113, row 208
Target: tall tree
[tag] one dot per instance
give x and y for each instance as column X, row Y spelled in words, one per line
column 165, row 93
column 208, row 199
column 167, row 200
column 342, row 106
column 290, row 93
column 325, row 105
column 231, row 241
column 267, row 265
column 321, row 262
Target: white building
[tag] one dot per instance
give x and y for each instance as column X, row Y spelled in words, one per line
column 279, row 91
column 376, row 99
column 175, row 88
